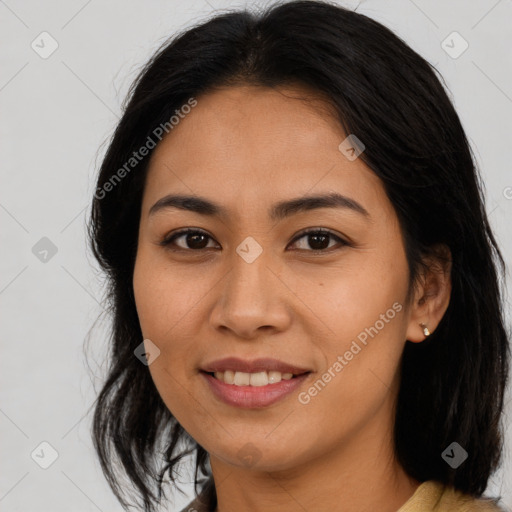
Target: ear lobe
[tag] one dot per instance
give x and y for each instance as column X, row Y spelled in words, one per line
column 432, row 294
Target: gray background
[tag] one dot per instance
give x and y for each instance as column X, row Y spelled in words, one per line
column 55, row 114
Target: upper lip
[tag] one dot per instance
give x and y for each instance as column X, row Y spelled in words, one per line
column 254, row 366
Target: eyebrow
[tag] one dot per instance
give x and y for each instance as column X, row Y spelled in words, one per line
column 278, row 211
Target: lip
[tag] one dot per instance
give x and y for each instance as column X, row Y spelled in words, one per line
column 257, row 365
column 253, row 397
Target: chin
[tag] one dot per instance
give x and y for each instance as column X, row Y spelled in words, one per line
column 257, row 455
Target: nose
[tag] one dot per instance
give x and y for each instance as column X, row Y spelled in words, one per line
column 252, row 299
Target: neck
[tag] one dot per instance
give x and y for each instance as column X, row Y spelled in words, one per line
column 360, row 475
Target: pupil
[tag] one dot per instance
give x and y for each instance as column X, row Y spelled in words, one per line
column 316, row 238
column 194, row 238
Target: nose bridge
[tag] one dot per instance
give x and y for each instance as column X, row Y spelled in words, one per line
column 251, row 295
column 250, row 279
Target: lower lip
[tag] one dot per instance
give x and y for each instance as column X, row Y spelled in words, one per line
column 253, row 397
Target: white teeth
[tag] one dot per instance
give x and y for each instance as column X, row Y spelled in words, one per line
column 252, row 379
column 274, row 377
column 259, row 379
column 242, row 379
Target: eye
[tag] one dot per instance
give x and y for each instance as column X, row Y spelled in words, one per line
column 194, row 238
column 318, row 239
column 197, row 240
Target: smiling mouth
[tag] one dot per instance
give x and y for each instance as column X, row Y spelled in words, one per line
column 256, row 379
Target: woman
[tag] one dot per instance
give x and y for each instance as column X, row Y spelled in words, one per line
column 303, row 279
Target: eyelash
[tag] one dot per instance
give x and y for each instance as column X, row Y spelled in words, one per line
column 168, row 241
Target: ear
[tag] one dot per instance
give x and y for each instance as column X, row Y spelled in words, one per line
column 431, row 293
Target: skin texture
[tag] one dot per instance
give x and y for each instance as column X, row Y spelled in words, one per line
column 246, row 148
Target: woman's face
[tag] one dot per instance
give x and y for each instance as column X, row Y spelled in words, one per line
column 252, row 285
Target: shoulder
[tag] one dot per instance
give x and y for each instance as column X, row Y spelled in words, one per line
column 434, row 496
column 466, row 503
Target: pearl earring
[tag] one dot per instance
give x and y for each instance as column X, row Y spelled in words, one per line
column 426, row 332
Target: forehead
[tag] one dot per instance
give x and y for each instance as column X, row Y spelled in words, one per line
column 253, row 144
column 234, row 119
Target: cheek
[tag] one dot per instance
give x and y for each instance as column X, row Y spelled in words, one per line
column 168, row 303
column 162, row 306
column 362, row 309
column 358, row 296
column 164, row 297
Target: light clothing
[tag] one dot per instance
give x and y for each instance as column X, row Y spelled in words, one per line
column 433, row 496
column 430, row 496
